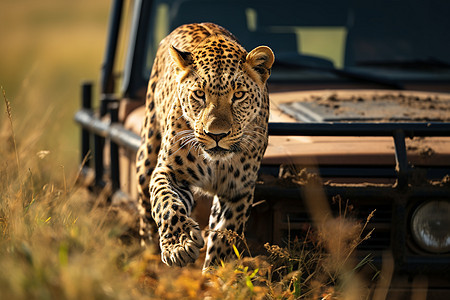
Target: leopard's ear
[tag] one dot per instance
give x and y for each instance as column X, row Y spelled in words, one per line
column 261, row 60
column 182, row 59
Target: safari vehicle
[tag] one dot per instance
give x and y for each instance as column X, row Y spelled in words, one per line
column 359, row 96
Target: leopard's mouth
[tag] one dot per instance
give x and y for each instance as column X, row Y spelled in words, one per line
column 218, row 151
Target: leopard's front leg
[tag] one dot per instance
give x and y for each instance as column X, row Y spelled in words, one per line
column 227, row 213
column 172, row 203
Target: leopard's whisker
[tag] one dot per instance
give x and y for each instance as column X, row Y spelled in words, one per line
column 180, row 135
column 195, row 144
column 186, row 141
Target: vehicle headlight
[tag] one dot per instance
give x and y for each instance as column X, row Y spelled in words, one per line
column 430, row 226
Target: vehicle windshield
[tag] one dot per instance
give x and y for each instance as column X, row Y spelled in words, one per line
column 312, row 39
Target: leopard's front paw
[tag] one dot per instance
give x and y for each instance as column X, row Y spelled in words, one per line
column 180, row 240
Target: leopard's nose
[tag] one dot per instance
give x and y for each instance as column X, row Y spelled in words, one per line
column 216, row 136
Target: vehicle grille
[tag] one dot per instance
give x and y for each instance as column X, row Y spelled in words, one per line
column 292, row 220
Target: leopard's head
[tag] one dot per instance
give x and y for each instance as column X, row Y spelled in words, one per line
column 222, row 89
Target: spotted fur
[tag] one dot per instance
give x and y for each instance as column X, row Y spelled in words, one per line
column 205, row 128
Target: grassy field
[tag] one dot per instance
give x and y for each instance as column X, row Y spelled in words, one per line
column 59, row 242
column 47, row 49
column 56, row 241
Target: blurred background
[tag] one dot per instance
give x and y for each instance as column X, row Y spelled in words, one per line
column 46, row 49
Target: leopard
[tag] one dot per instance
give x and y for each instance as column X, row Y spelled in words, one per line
column 205, row 130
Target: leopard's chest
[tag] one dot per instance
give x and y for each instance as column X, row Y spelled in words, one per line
column 227, row 177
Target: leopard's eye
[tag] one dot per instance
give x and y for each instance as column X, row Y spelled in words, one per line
column 199, row 94
column 238, row 95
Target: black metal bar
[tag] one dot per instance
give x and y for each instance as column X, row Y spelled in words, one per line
column 107, row 84
column 99, row 144
column 359, row 129
column 86, row 98
column 86, row 95
column 99, row 139
column 104, row 102
column 114, row 149
column 107, row 77
column 401, row 159
column 134, row 79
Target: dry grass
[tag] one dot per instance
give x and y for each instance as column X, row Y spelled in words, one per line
column 56, row 241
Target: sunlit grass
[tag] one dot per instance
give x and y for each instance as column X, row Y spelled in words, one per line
column 57, row 241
